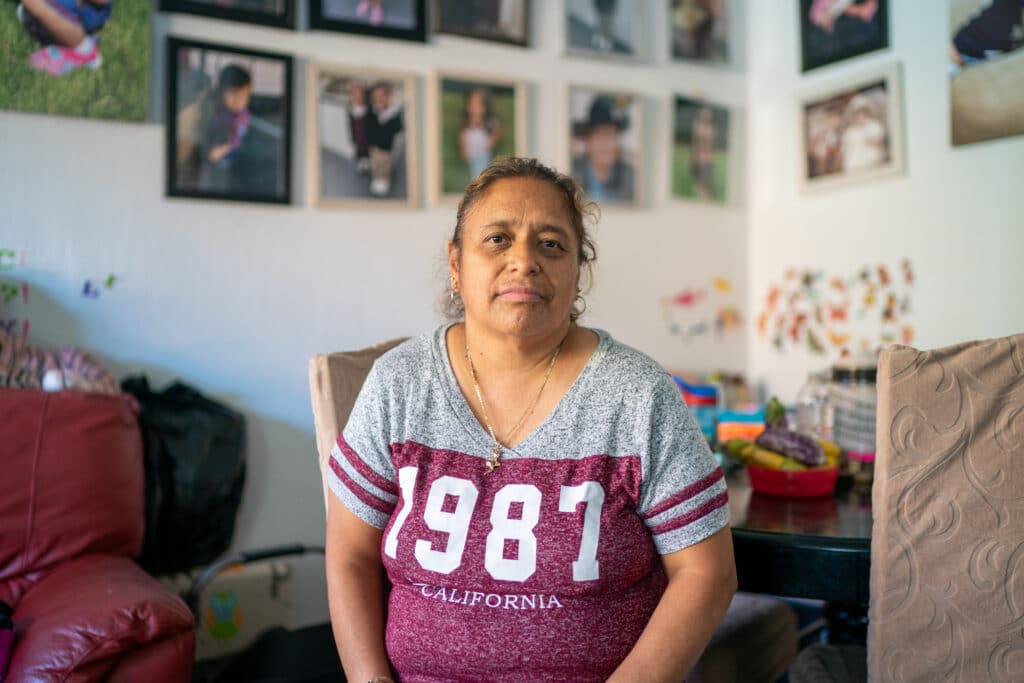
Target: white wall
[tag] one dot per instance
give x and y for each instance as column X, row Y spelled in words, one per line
column 234, row 298
column 957, row 213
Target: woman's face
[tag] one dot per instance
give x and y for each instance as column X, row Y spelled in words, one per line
column 518, row 268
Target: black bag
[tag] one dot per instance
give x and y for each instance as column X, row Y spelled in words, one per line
column 195, row 470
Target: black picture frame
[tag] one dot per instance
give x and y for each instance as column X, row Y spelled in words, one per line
column 319, row 20
column 285, row 19
column 184, row 122
column 438, row 11
column 850, row 36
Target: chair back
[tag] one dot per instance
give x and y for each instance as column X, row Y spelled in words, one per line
column 947, row 549
column 334, row 383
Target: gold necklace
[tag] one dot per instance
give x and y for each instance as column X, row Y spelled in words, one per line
column 495, row 460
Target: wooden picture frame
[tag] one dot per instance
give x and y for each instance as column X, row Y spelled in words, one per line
column 460, row 147
column 852, row 131
column 361, row 153
column 214, row 150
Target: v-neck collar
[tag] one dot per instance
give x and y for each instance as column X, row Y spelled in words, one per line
column 535, row 444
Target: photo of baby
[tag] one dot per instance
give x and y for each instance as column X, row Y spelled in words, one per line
column 701, row 150
column 363, row 147
column 75, row 57
column 230, row 134
column 853, row 132
column 480, row 121
column 605, row 144
column 604, row 27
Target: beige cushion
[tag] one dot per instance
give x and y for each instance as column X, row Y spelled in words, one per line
column 947, row 549
column 334, row 382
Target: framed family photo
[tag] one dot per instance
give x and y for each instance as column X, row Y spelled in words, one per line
column 85, row 60
column 501, row 21
column 853, row 132
column 603, row 28
column 402, row 19
column 834, row 30
column 700, row 30
column 229, row 121
column 700, row 151
column 280, row 13
column 481, row 118
column 362, row 136
column 986, row 70
column 605, row 134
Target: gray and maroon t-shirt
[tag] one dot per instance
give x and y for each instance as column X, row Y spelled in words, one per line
column 548, row 568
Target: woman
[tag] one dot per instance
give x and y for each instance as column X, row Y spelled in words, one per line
column 544, row 506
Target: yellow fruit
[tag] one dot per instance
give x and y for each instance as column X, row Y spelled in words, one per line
column 764, row 458
column 792, row 465
column 831, row 450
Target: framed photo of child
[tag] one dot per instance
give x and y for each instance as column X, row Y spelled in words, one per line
column 402, row 19
column 603, row 28
column 229, row 121
column 74, row 58
column 279, row 13
column 502, row 21
column 834, row 30
column 700, row 151
column 481, row 118
column 852, row 131
column 700, row 30
column 362, row 136
column 605, row 134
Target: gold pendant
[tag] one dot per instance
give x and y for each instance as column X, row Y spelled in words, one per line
column 495, row 461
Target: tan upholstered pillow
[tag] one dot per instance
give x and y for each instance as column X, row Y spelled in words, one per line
column 947, row 551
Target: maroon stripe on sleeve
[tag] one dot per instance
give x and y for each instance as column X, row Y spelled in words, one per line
column 362, row 468
column 684, row 495
column 358, row 491
column 702, row 510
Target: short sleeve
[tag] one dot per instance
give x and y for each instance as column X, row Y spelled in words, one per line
column 361, row 474
column 683, row 497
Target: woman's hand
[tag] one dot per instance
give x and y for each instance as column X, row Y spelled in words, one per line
column 701, row 583
column 355, row 593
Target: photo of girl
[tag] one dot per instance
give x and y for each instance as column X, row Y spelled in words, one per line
column 229, row 137
column 701, row 151
column 480, row 121
column 363, row 148
column 75, row 57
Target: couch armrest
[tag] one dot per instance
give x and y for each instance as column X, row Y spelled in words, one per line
column 101, row 618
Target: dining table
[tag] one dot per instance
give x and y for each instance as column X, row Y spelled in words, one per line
column 817, row 548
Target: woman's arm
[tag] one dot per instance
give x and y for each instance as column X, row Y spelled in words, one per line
column 701, row 583
column 355, row 593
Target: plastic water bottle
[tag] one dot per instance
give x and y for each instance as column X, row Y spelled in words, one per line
column 814, row 405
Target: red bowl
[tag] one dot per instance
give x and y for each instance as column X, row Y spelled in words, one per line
column 793, row 484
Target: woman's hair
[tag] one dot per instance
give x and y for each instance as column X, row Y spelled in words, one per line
column 581, row 211
column 232, row 76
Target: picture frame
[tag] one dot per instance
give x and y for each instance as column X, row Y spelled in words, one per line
column 700, row 151
column 607, row 29
column 228, row 123
column 276, row 13
column 399, row 19
column 360, row 152
column 852, row 131
column 479, row 117
column 699, row 31
column 38, row 75
column 985, row 59
column 836, row 30
column 606, row 144
column 505, row 21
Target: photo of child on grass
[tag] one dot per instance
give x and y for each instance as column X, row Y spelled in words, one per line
column 701, row 151
column 478, row 124
column 229, row 137
column 75, row 57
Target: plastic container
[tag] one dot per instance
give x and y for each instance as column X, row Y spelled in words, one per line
column 854, row 408
column 820, row 481
column 702, row 400
column 738, row 424
column 814, row 406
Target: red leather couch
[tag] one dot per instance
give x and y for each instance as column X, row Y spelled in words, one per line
column 71, row 520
